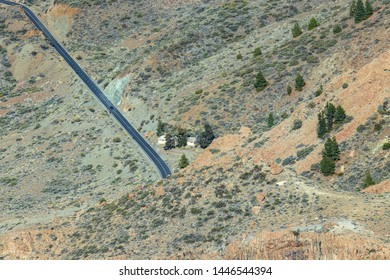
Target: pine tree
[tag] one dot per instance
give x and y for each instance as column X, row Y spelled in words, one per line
column 206, row 137
column 352, row 9
column 330, row 110
column 160, row 127
column 328, row 149
column 360, row 12
column 368, row 181
column 183, row 162
column 170, row 142
column 339, row 115
column 312, row 24
column 296, row 30
column 335, row 150
column 331, row 149
column 182, row 136
column 271, row 120
column 261, row 82
column 299, row 83
column 321, row 128
column 327, row 166
column 369, row 10
column 330, row 154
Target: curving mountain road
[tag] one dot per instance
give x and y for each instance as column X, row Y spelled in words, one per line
column 160, row 164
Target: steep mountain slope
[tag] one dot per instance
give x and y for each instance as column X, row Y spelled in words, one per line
column 60, row 151
column 256, row 191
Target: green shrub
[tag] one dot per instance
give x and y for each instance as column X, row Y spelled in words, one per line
column 289, row 89
column 319, row 91
column 337, row 29
column 261, row 83
column 297, row 124
column 116, row 140
column 183, row 163
column 360, row 128
column 368, row 181
column 386, row 146
column 312, row 24
column 296, row 30
column 270, row 120
column 299, row 83
column 257, row 52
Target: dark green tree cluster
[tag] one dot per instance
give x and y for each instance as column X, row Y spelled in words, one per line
column 296, row 30
column 175, row 136
column 160, row 127
column 182, row 137
column 261, row 83
column 312, row 24
column 330, row 154
column 299, row 82
column 207, row 136
column 360, row 11
column 170, row 142
column 329, row 118
column 183, row 162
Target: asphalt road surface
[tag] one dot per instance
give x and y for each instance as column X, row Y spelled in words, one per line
column 160, row 164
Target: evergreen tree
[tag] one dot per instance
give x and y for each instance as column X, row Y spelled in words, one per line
column 328, row 149
column 170, row 142
column 312, row 24
column 327, row 166
column 360, row 12
column 321, row 128
column 296, row 30
column 331, row 149
column 206, row 137
column 299, row 83
column 330, row 110
column 289, row 89
column 369, row 10
column 183, row 162
column 339, row 115
column 182, row 136
column 368, row 181
column 335, row 150
column 261, row 82
column 352, row 9
column 271, row 120
column 160, row 127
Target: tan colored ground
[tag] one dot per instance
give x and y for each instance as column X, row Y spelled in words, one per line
column 60, row 19
column 227, row 145
column 383, row 187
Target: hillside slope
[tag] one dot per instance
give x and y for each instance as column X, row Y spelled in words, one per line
column 256, row 192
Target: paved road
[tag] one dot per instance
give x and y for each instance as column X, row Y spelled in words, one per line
column 160, row 164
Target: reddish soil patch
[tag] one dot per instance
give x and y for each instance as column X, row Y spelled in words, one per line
column 382, row 187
